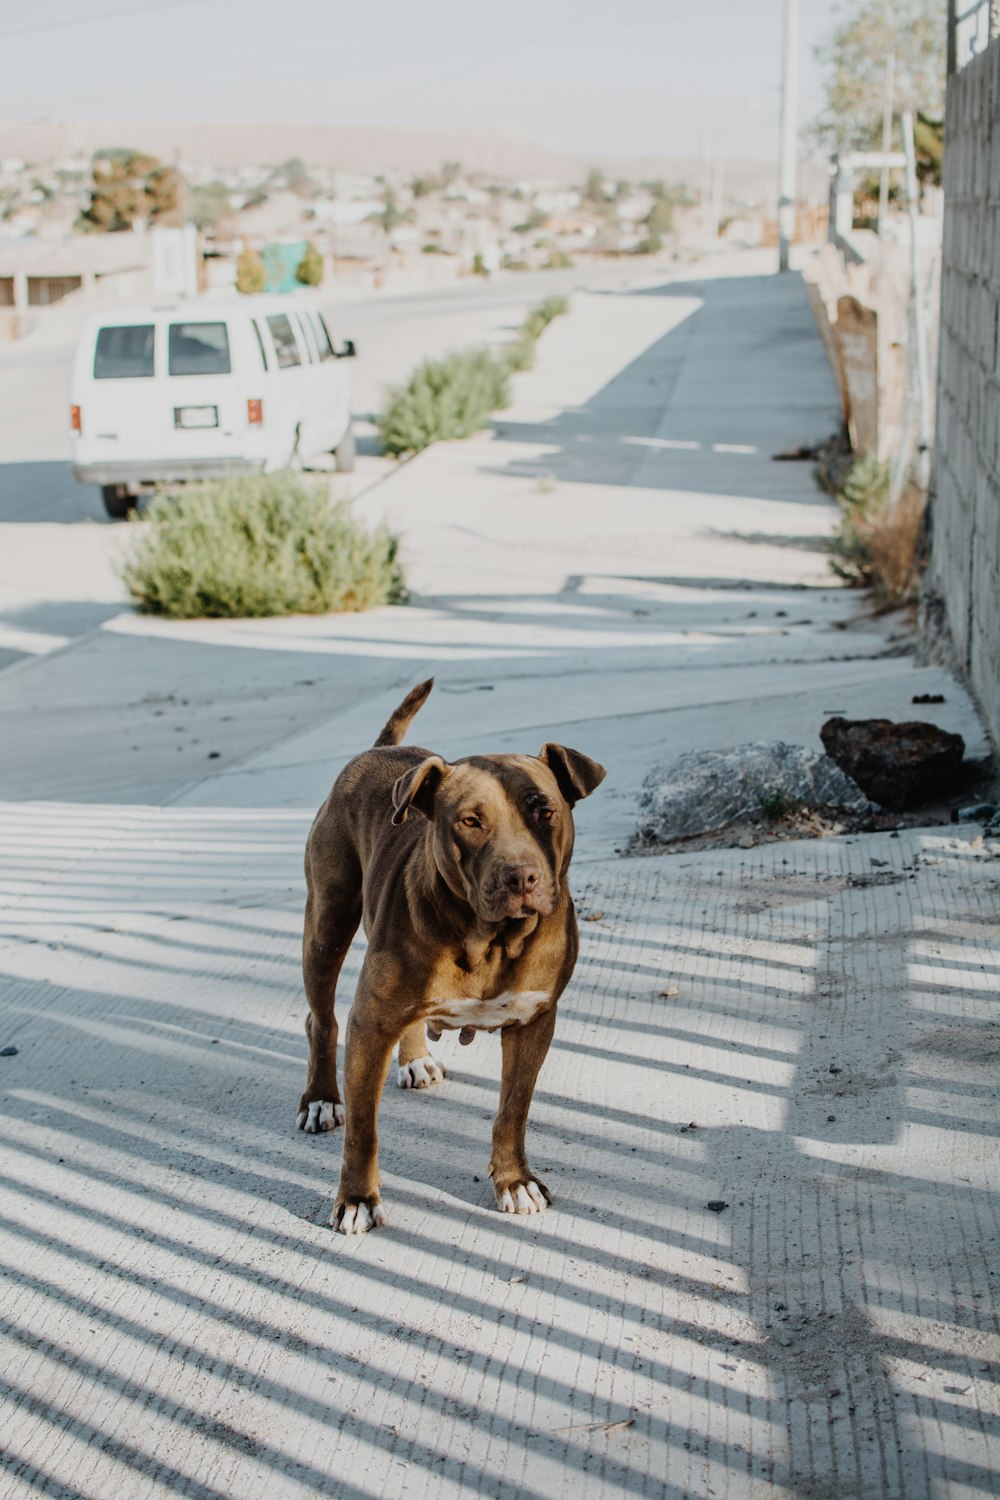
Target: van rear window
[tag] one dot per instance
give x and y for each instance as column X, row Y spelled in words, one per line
column 198, row 349
column 323, row 337
column 283, row 338
column 124, row 352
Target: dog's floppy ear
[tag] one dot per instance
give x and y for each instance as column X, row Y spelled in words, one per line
column 576, row 773
column 418, row 788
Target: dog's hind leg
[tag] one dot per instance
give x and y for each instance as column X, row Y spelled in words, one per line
column 333, row 914
column 417, row 1068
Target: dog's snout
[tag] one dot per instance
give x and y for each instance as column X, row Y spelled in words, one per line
column 521, row 880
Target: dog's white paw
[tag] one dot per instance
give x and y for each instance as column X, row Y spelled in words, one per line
column 322, row 1114
column 358, row 1218
column 523, row 1198
column 419, row 1073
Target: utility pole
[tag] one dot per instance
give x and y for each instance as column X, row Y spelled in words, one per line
column 917, row 298
column 883, row 187
column 789, row 90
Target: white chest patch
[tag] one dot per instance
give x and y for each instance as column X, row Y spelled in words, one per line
column 512, row 1008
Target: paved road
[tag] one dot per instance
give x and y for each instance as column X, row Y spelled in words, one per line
column 392, row 333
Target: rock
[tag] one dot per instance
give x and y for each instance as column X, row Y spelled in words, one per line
column 897, row 765
column 8, row 1051
column 982, row 812
column 703, row 791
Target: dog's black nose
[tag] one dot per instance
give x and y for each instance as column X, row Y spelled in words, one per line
column 521, row 880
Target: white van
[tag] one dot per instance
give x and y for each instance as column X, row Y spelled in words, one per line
column 192, row 390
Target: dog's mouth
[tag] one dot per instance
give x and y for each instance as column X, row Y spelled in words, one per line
column 518, row 908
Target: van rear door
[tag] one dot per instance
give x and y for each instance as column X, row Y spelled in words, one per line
column 116, row 389
column 202, row 405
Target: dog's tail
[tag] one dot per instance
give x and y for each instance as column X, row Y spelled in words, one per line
column 401, row 718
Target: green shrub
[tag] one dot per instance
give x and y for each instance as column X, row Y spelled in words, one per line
column 451, row 397
column 267, row 545
column 455, row 396
column 520, row 355
column 250, row 273
column 309, row 271
column 650, row 244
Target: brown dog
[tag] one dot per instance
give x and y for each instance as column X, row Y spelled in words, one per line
column 470, row 927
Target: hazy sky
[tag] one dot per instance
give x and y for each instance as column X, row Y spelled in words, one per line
column 636, row 77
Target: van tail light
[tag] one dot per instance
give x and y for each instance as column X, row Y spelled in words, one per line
column 255, row 413
column 76, row 419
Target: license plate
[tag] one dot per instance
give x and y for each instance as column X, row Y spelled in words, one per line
column 196, row 416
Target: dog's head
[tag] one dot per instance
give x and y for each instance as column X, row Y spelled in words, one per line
column 502, row 825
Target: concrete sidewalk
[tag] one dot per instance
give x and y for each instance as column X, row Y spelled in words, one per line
column 802, row 1032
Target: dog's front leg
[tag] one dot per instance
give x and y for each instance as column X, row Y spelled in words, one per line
column 369, row 1051
column 517, row 1190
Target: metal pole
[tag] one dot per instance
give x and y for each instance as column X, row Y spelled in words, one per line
column 786, row 189
column 705, row 194
column 952, row 45
column 917, row 295
column 883, row 187
column 715, row 213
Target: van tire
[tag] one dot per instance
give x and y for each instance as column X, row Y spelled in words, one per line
column 118, row 503
column 346, row 451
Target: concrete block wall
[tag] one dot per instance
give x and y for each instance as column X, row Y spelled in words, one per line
column 965, row 517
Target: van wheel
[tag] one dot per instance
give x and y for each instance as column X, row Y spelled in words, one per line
column 346, row 452
column 118, row 503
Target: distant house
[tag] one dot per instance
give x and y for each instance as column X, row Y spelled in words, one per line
column 39, row 272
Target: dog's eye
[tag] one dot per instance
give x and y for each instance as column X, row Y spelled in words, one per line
column 471, row 822
column 544, row 814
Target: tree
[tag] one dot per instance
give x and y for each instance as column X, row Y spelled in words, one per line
column 250, row 273
column 294, row 175
column 854, row 58
column 928, row 138
column 660, row 219
column 208, row 204
column 130, row 187
column 593, row 188
column 309, row 271
column 391, row 214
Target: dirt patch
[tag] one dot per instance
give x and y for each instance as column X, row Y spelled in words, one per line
column 972, row 1043
column 847, row 1083
column 817, row 1352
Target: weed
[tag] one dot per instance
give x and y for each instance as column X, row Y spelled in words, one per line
column 266, row 545
column 879, row 544
column 776, row 806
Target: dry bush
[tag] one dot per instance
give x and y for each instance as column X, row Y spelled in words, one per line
column 895, row 542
